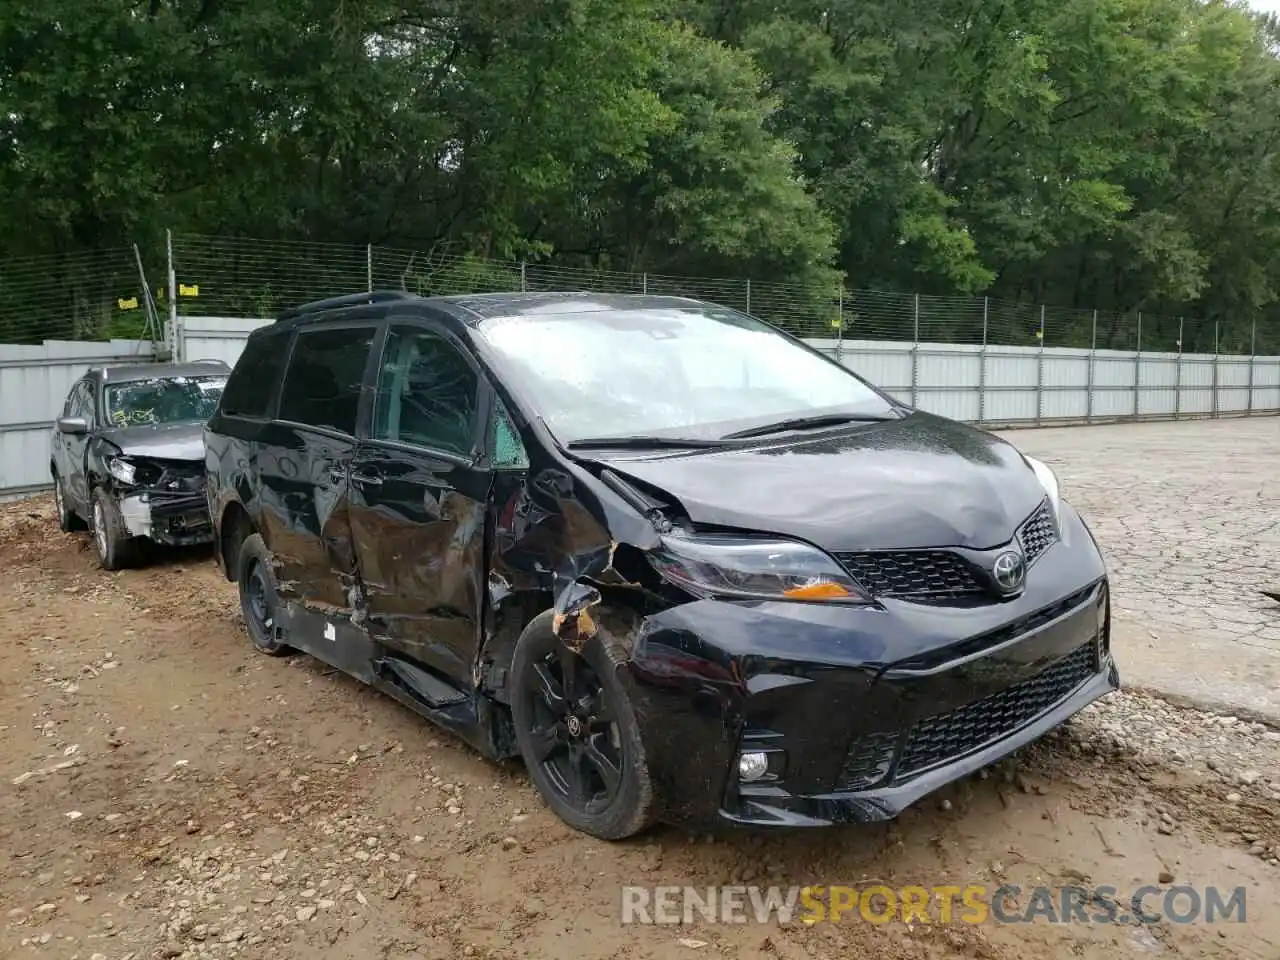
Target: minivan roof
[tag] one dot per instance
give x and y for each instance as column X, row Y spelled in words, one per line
column 472, row 308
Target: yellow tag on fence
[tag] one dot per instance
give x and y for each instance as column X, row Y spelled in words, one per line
column 188, row 290
column 130, row 304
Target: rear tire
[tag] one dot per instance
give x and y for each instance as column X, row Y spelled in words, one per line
column 578, row 734
column 112, row 543
column 259, row 596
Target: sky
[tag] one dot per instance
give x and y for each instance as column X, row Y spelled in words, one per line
column 1267, row 6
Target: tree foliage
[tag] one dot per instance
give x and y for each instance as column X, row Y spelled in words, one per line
column 1110, row 154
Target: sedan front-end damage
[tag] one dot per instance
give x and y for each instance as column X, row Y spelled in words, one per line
column 164, row 503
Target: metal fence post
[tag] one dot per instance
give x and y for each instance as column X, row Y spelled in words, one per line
column 1093, row 359
column 1177, row 377
column 982, row 363
column 644, row 283
column 1215, row 369
column 840, row 323
column 1040, row 371
column 915, row 355
column 368, row 264
column 1137, row 372
column 523, row 288
column 748, row 296
column 1253, row 353
column 173, row 336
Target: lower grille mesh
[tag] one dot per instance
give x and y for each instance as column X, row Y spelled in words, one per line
column 947, row 736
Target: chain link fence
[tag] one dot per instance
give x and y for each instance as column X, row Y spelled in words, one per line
column 240, row 277
column 97, row 295
column 124, row 293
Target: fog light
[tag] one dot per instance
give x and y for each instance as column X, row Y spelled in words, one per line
column 753, row 766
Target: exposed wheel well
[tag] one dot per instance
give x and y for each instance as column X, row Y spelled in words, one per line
column 234, row 529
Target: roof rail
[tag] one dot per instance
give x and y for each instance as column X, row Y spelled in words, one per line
column 347, row 300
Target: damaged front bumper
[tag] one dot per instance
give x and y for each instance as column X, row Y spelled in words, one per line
column 858, row 713
column 173, row 520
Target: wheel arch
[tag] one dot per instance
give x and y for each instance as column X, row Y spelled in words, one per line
column 234, row 527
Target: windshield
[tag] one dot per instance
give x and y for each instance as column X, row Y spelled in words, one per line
column 162, row 400
column 697, row 372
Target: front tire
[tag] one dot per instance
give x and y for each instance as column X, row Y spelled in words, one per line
column 578, row 734
column 259, row 596
column 68, row 521
column 111, row 541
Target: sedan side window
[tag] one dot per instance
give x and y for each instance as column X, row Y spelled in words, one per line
column 78, row 403
column 427, row 393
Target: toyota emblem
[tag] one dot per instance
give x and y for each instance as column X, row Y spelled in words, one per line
column 1009, row 570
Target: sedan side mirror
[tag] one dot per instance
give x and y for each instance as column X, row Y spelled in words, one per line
column 73, row 425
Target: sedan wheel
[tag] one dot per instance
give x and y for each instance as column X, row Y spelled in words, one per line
column 111, row 541
column 578, row 734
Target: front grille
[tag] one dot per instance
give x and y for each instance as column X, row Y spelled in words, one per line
column 948, row 736
column 1038, row 533
column 943, row 575
column 939, row 574
column 181, row 477
column 943, row 737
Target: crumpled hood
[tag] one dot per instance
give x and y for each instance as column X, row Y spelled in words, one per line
column 178, row 441
column 922, row 481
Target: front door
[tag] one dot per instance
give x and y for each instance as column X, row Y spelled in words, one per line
column 303, row 463
column 74, row 446
column 418, row 501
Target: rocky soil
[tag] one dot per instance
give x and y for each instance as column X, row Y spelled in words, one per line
column 169, row 793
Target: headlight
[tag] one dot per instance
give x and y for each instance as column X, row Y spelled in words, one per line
column 122, row 470
column 1049, row 480
column 751, row 568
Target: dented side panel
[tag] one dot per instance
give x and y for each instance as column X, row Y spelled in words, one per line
column 304, row 515
column 419, row 536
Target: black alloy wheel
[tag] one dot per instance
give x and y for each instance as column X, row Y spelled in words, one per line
column 259, row 598
column 578, row 734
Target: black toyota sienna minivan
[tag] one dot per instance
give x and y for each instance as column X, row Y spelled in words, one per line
column 685, row 566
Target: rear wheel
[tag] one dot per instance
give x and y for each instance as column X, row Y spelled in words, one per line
column 578, row 734
column 259, row 597
column 112, row 543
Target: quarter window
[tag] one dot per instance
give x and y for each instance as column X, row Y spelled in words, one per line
column 326, row 370
column 426, row 393
column 508, row 451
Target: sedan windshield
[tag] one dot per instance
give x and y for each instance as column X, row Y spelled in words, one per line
column 162, row 400
column 697, row 372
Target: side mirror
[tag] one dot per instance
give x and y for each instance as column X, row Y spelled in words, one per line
column 73, row 425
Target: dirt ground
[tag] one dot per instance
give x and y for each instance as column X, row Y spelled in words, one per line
column 168, row 792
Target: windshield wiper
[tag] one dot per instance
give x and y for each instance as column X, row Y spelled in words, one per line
column 642, row 443
column 808, row 423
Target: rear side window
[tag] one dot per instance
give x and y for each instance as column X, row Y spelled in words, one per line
column 326, row 370
column 253, row 380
